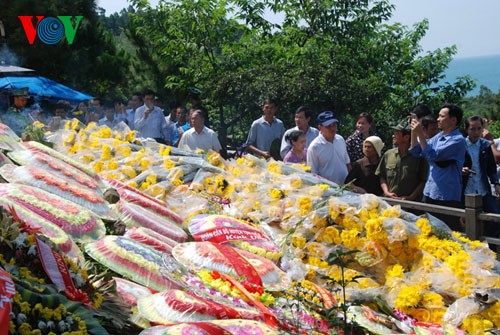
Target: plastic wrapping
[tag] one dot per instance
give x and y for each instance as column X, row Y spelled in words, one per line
column 225, row 229
column 38, row 224
column 35, row 146
column 375, row 322
column 9, row 141
column 57, row 166
column 439, row 228
column 226, row 259
column 473, row 304
column 130, row 259
column 178, row 306
column 145, row 201
column 187, row 203
column 56, row 184
column 136, row 216
column 215, row 327
column 131, row 292
column 4, row 159
column 151, row 238
column 75, row 220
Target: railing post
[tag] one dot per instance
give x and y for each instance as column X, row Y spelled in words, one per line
column 473, row 207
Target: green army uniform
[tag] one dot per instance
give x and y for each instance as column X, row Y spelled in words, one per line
column 17, row 119
column 402, row 172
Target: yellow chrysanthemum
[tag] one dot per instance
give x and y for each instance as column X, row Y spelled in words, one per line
column 129, row 171
column 130, row 137
column 298, row 241
column 408, row 296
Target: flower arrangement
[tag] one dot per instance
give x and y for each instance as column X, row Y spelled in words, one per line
column 214, row 280
column 73, row 219
column 417, row 266
column 38, row 307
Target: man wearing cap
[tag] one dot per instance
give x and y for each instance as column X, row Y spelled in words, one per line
column 445, row 153
column 17, row 116
column 303, row 116
column 402, row 175
column 327, row 155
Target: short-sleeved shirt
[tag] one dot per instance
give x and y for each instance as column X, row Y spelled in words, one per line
column 291, row 157
column 445, row 155
column 263, row 133
column 403, row 173
column 16, row 119
column 206, row 140
column 311, row 134
column 329, row 159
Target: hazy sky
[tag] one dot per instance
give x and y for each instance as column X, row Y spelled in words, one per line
column 472, row 25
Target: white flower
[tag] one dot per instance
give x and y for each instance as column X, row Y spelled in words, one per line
column 63, row 326
column 42, row 326
column 32, row 250
column 51, row 325
column 20, row 240
column 21, row 318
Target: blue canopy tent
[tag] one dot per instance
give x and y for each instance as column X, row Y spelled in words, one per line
column 44, row 88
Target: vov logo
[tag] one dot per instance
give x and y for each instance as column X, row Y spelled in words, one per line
column 50, row 30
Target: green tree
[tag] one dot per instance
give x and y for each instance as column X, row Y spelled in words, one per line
column 340, row 55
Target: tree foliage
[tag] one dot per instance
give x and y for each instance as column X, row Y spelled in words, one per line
column 335, row 54
column 487, row 105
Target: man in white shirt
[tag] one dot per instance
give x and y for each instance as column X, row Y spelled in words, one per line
column 149, row 120
column 110, row 120
column 302, row 118
column 199, row 136
column 327, row 155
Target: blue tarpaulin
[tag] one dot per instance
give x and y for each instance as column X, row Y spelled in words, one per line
column 43, row 87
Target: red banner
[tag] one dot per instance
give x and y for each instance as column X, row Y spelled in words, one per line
column 211, row 328
column 220, row 311
column 269, row 317
column 7, row 291
column 226, row 234
column 241, row 265
column 56, row 269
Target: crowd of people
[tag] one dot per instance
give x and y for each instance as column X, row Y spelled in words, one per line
column 432, row 159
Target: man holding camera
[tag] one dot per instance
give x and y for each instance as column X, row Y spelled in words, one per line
column 445, row 154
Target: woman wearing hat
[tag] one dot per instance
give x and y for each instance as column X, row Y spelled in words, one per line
column 363, row 170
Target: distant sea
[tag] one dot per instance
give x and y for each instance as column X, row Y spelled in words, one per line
column 485, row 70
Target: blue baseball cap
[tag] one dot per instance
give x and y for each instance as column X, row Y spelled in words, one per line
column 326, row 118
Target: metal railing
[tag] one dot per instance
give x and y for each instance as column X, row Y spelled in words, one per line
column 472, row 213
